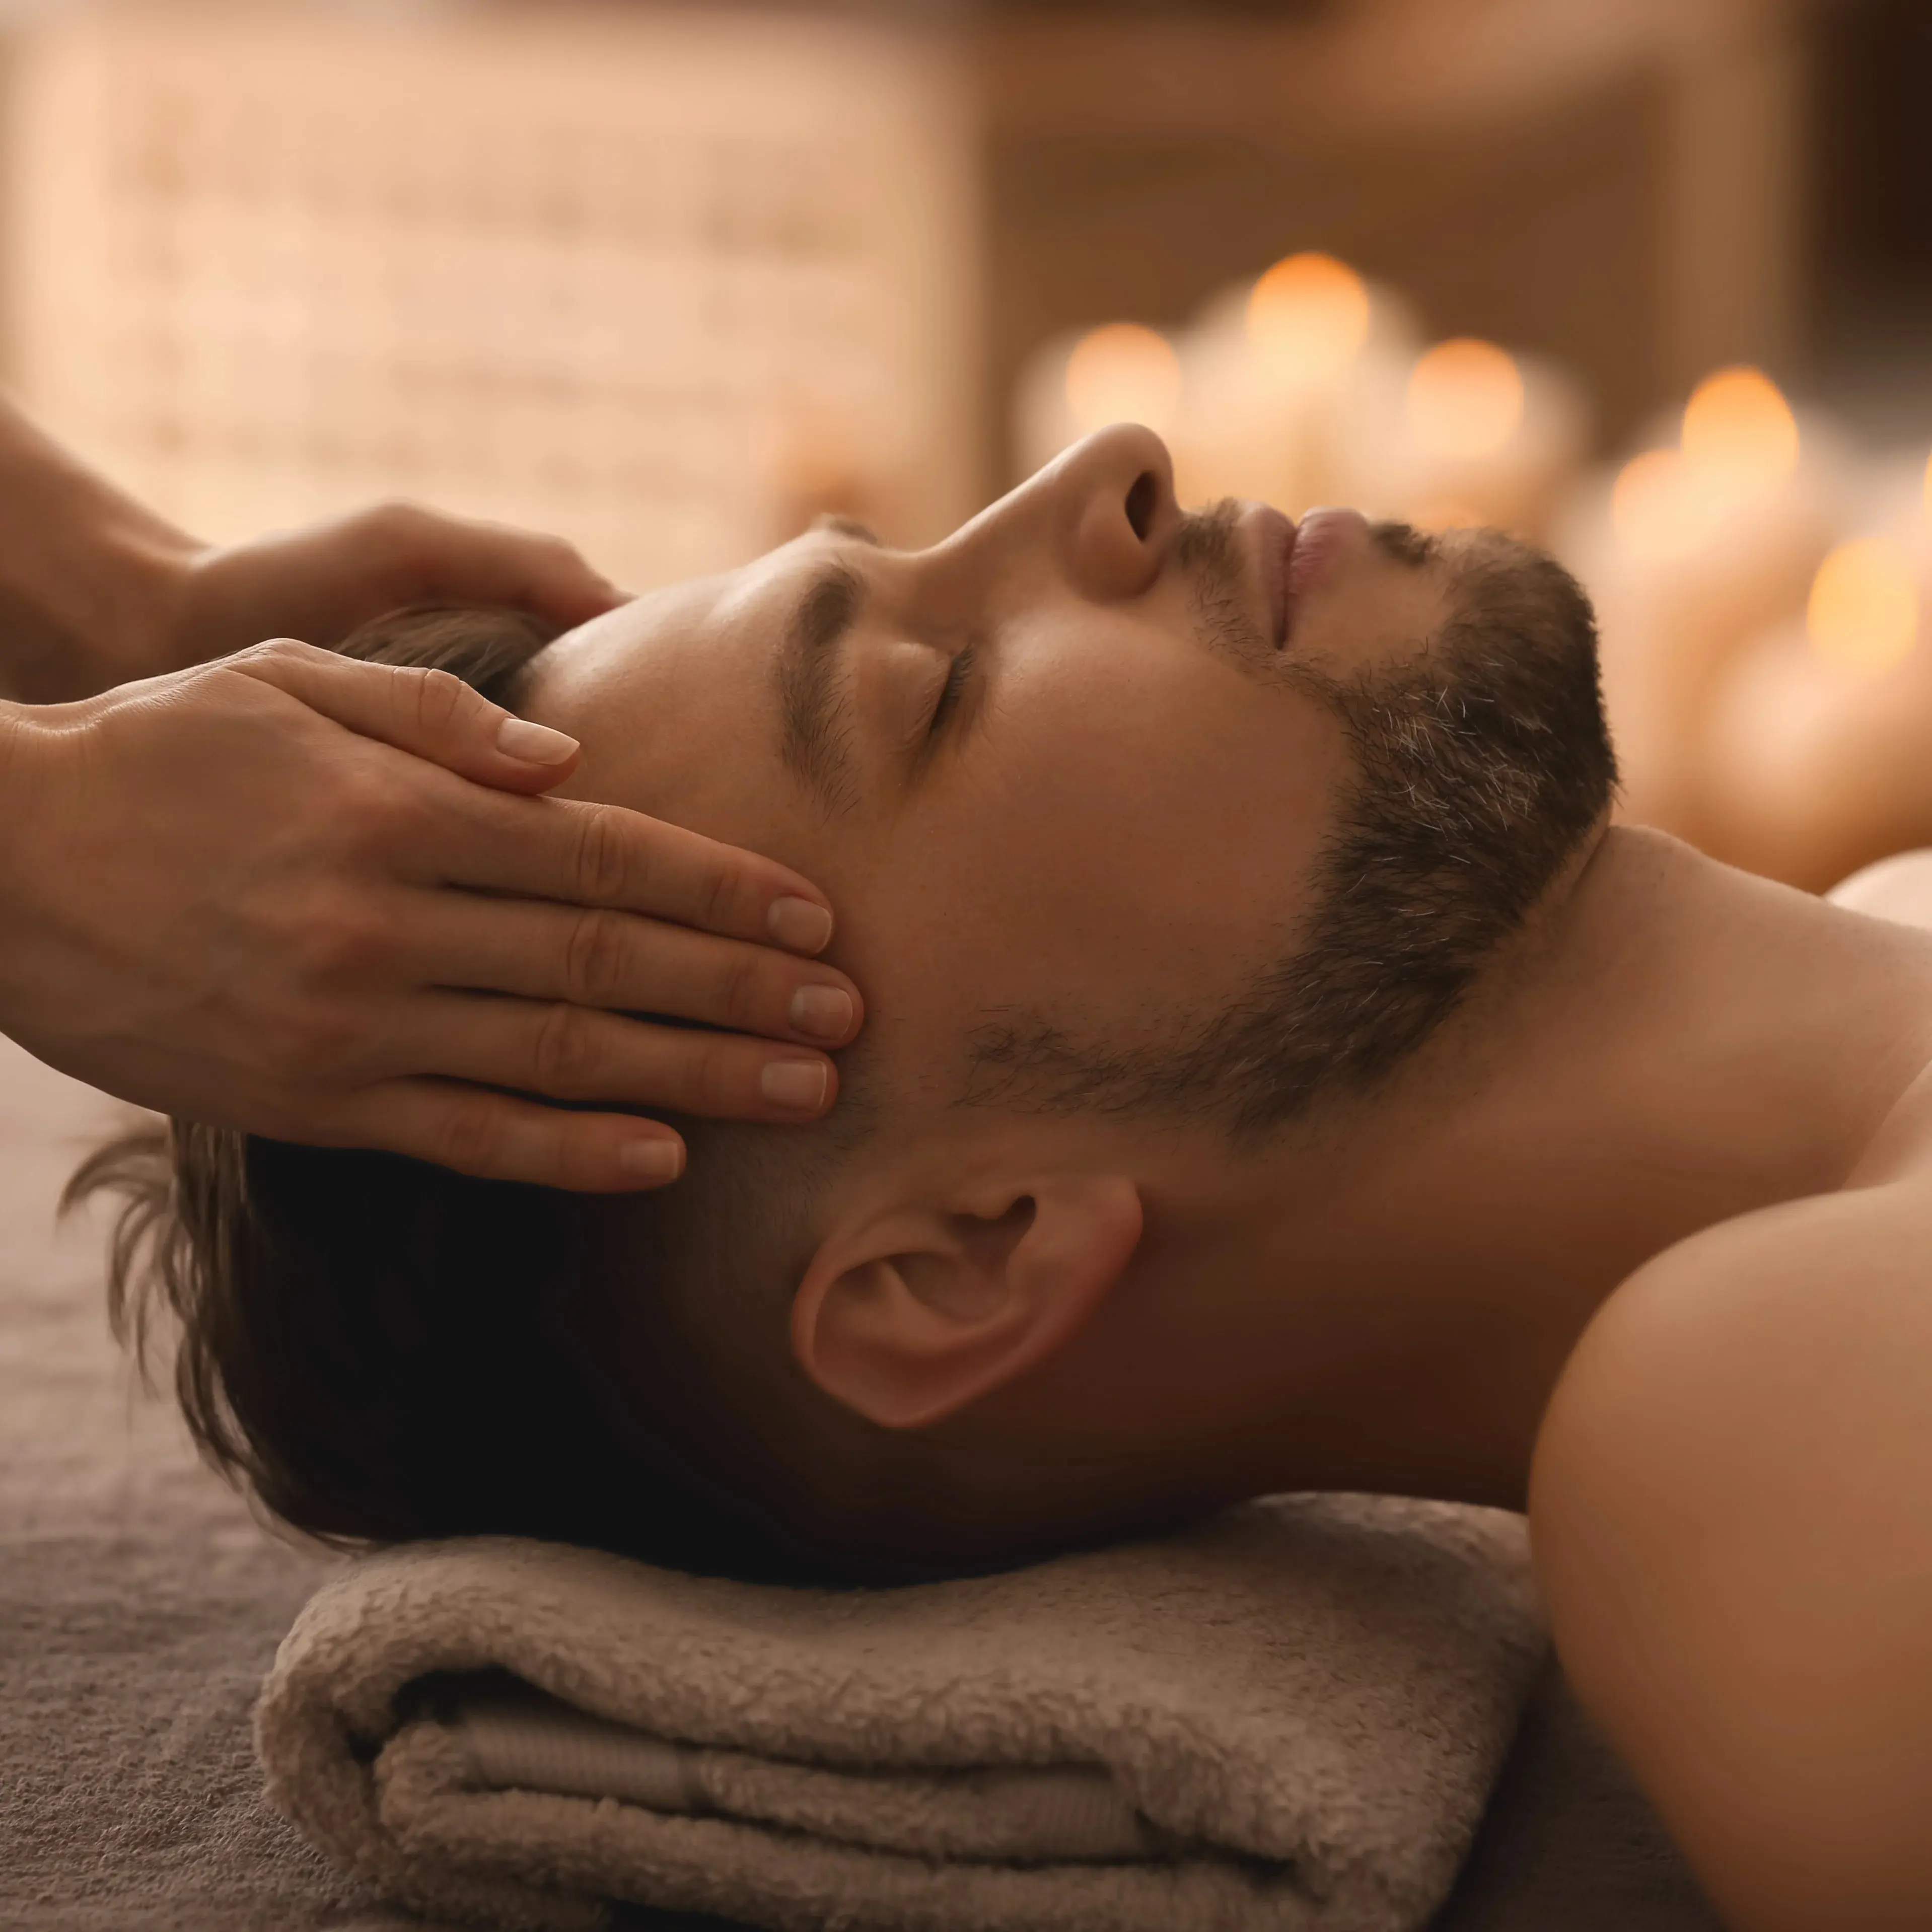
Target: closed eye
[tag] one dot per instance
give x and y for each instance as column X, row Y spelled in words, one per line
column 960, row 669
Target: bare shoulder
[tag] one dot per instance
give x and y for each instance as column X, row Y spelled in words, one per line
column 1731, row 1509
column 1898, row 888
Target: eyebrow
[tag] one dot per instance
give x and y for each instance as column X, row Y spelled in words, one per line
column 804, row 667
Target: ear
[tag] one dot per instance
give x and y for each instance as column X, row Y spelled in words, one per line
column 911, row 1314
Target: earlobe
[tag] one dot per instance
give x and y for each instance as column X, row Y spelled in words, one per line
column 910, row 1316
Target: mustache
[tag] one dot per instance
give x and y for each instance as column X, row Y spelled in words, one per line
column 1208, row 554
column 1206, row 547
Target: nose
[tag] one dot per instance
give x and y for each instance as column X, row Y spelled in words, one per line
column 1110, row 502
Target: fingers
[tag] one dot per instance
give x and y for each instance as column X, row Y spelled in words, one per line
column 428, row 556
column 622, row 963
column 603, row 855
column 430, row 713
column 498, row 1137
column 574, row 1053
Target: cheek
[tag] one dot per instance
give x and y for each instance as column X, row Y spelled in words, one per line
column 1121, row 843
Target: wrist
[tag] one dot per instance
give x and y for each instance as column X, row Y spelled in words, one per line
column 88, row 577
column 121, row 614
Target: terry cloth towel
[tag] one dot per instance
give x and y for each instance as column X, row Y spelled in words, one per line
column 1288, row 1716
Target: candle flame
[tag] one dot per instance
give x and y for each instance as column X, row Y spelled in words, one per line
column 1308, row 316
column 1122, row 373
column 1739, row 430
column 1863, row 613
column 1464, row 398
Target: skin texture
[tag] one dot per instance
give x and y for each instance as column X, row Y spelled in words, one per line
column 1677, row 1123
column 1733, row 1524
column 253, row 891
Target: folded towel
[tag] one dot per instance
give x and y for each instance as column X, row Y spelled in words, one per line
column 1287, row 1716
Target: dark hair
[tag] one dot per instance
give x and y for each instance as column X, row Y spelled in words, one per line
column 380, row 1349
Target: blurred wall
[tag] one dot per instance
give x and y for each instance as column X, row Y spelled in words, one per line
column 672, row 276
column 643, row 275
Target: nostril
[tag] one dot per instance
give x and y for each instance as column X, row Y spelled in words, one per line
column 1141, row 499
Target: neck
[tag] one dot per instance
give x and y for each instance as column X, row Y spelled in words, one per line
column 1388, row 1306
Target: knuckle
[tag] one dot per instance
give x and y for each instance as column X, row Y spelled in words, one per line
column 395, row 517
column 439, row 697
column 720, row 896
column 715, row 1077
column 594, row 959
column 563, row 1052
column 390, row 532
column 340, row 944
column 313, row 1041
column 369, row 810
column 469, row 1135
column 741, row 992
column 273, row 651
column 606, row 870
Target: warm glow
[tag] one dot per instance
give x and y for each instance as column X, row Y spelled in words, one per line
column 1464, row 399
column 1864, row 611
column 1308, row 316
column 1122, row 373
column 1928, row 488
column 1444, row 513
column 1661, row 507
column 1739, row 429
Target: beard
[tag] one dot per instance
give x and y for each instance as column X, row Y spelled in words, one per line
column 1478, row 771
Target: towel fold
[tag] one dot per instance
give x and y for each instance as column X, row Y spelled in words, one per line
column 1286, row 1717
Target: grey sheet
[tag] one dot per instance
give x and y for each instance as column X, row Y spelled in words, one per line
column 139, row 1606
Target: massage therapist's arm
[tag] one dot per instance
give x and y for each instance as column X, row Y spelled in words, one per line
column 323, row 900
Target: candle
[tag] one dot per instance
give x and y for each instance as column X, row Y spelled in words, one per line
column 1817, row 742
column 1691, row 551
column 1481, row 437
column 1075, row 385
column 1278, row 375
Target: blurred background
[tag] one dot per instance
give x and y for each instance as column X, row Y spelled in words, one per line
column 1647, row 280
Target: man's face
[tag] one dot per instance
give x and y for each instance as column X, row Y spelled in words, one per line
column 1070, row 760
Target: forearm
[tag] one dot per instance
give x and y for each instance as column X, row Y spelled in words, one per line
column 82, row 568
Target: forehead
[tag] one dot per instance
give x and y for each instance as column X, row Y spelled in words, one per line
column 671, row 697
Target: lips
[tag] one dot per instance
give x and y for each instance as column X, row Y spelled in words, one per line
column 1292, row 559
column 1276, row 534
column 1324, row 535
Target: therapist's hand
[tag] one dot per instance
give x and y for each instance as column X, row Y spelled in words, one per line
column 320, row 583
column 301, row 895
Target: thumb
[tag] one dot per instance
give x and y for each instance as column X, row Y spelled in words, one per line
column 432, row 713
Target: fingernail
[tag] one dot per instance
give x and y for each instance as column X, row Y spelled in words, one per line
column 794, row 1083
column 652, row 1160
column 824, row 1012
column 799, row 925
column 534, row 744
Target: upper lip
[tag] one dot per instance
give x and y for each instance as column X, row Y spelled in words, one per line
column 1276, row 534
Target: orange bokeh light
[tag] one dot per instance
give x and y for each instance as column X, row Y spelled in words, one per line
column 1122, row 373
column 1661, row 506
column 1308, row 316
column 1739, row 430
column 1465, row 399
column 1863, row 612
